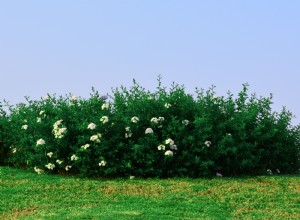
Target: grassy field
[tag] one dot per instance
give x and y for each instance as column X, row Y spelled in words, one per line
column 26, row 195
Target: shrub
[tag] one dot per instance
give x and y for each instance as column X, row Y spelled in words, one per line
column 150, row 134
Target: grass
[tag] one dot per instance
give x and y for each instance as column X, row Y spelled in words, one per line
column 26, row 195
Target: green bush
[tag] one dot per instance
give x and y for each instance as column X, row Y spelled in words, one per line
column 4, row 145
column 151, row 134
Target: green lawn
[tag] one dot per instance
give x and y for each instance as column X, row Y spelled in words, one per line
column 26, row 195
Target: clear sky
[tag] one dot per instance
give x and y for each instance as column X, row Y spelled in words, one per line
column 68, row 46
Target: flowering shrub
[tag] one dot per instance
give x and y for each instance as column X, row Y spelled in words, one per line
column 150, row 134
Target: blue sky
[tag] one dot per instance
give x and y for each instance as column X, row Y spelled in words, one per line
column 71, row 45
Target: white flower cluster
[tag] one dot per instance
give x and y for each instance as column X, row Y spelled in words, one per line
column 14, row 150
column 207, row 143
column 38, row 170
column 86, row 146
column 40, row 142
column 38, row 119
column 50, row 154
column 219, row 175
column 24, row 127
column 269, row 172
column 128, row 132
column 67, row 168
column 91, row 126
column 168, row 105
column 104, row 119
column 50, row 166
column 96, row 138
column 43, row 113
column 149, row 131
column 171, row 143
column 157, row 120
column 102, row 163
column 74, row 157
column 57, row 131
column 59, row 161
column 185, row 122
column 105, row 106
column 161, row 147
column 135, row 119
column 216, row 97
column 169, row 153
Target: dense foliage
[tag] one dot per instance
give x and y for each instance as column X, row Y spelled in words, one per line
column 150, row 134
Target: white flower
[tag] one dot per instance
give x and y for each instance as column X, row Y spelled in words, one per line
column 149, row 131
column 42, row 112
column 50, row 166
column 150, row 97
column 269, row 171
column 185, row 122
column 219, row 174
column 59, row 161
column 207, row 143
column 59, row 136
column 62, row 130
column 91, row 126
column 128, row 135
column 173, row 146
column 38, row 120
column 74, row 157
column 58, row 132
column 25, row 120
column 157, row 120
column 50, row 154
column 105, row 106
column 74, row 97
column 24, row 127
column 161, row 118
column 161, row 147
column 96, row 138
column 228, row 134
column 40, row 142
column 86, row 146
column 14, row 150
column 68, row 167
column 104, row 119
column 215, row 97
column 135, row 119
column 46, row 97
column 38, row 170
column 154, row 120
column 168, row 105
column 169, row 141
column 131, row 177
column 102, row 163
column 278, row 171
column 56, row 124
column 169, row 153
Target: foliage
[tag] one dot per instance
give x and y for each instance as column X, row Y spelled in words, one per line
column 151, row 134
